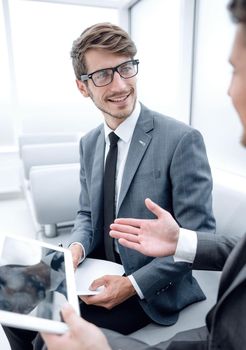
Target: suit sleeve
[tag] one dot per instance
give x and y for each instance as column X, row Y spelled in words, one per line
column 82, row 231
column 212, row 251
column 191, row 181
column 192, row 208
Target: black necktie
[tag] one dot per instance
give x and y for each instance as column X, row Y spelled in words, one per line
column 109, row 194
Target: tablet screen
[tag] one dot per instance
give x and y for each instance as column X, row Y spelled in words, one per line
column 36, row 279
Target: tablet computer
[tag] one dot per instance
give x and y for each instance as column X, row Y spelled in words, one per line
column 36, row 279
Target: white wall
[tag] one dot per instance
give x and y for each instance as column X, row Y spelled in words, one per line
column 213, row 113
column 162, row 30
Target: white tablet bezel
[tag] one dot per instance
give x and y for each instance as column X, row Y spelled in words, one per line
column 35, row 323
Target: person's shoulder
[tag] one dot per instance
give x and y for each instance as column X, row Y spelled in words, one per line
column 163, row 122
column 92, row 135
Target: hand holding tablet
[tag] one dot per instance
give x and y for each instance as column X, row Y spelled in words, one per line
column 36, row 279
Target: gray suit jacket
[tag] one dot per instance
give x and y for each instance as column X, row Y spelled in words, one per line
column 166, row 162
column 226, row 321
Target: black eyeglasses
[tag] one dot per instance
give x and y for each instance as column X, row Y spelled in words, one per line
column 105, row 76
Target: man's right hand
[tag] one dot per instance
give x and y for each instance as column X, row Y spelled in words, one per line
column 77, row 254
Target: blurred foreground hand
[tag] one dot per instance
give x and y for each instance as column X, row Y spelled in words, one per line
column 81, row 335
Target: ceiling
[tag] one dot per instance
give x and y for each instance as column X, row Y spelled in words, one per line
column 118, row 4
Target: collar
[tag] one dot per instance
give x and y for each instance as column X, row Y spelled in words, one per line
column 126, row 128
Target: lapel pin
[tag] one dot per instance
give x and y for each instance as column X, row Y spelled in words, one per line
column 142, row 143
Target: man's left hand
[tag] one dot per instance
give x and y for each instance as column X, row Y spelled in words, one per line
column 116, row 290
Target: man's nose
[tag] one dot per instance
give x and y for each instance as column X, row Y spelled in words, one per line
column 118, row 81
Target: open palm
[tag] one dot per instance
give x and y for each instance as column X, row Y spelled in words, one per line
column 153, row 237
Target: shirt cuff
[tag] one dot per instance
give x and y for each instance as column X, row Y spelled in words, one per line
column 186, row 246
column 82, row 259
column 135, row 285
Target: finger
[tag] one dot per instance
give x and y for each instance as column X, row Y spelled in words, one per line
column 50, row 339
column 75, row 323
column 128, row 221
column 75, row 264
column 131, row 245
column 84, row 298
column 69, row 315
column 126, row 228
column 154, row 208
column 97, row 283
column 97, row 299
column 127, row 236
column 88, row 299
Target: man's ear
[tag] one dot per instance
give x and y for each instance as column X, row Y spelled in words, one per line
column 82, row 88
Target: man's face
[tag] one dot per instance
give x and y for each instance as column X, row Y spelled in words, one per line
column 116, row 100
column 237, row 89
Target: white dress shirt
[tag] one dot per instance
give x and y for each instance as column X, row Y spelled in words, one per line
column 124, row 131
column 186, row 246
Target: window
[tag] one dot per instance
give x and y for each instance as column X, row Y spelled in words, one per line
column 43, row 94
column 162, row 31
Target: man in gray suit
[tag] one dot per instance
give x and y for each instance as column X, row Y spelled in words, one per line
column 158, row 157
column 226, row 322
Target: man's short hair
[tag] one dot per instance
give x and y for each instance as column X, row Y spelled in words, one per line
column 104, row 36
column 237, row 9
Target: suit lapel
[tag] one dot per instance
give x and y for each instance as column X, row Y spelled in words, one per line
column 139, row 144
column 241, row 277
column 230, row 278
column 97, row 175
column 235, row 262
column 234, row 272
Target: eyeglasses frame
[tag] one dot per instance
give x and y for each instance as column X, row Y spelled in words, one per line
column 86, row 77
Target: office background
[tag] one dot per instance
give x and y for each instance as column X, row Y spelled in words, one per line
column 183, row 48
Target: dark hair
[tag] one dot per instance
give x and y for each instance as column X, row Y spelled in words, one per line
column 104, row 36
column 237, row 10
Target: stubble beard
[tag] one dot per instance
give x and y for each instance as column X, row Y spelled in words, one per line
column 119, row 115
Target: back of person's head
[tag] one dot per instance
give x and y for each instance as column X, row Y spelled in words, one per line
column 101, row 36
column 237, row 10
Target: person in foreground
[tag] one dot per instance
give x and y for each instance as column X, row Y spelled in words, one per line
column 226, row 322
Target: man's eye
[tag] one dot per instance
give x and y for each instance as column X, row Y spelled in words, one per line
column 102, row 74
column 126, row 69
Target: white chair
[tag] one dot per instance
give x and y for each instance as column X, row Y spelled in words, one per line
column 55, row 193
column 45, row 149
column 43, row 138
column 48, row 154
